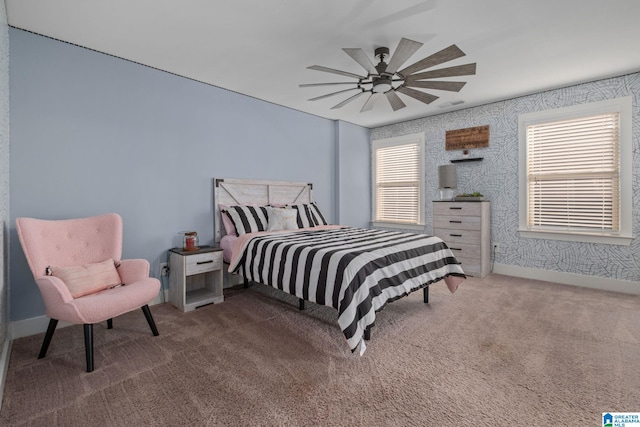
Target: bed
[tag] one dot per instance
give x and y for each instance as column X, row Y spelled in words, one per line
column 356, row 271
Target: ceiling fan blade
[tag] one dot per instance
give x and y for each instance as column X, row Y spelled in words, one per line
column 348, row 100
column 361, row 58
column 331, row 94
column 428, row 84
column 458, row 70
column 394, row 100
column 405, row 49
column 427, row 98
column 448, row 54
column 368, row 105
column 327, row 84
column 334, row 71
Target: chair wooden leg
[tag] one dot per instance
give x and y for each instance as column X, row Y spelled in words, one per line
column 47, row 338
column 109, row 323
column 88, row 345
column 152, row 324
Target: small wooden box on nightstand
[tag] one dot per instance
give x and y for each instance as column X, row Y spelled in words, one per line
column 195, row 277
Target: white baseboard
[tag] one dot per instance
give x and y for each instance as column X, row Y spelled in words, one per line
column 593, row 282
column 4, row 364
column 39, row 324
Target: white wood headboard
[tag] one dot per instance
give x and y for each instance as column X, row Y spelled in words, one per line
column 229, row 191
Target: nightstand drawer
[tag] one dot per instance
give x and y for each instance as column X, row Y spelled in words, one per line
column 457, row 208
column 201, row 263
column 462, row 236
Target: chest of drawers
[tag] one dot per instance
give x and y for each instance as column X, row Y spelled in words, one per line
column 465, row 228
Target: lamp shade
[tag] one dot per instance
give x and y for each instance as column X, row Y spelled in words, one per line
column 447, row 176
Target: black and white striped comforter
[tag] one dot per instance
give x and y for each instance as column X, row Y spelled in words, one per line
column 356, row 271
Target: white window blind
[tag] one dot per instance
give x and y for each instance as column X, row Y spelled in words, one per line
column 398, row 172
column 573, row 175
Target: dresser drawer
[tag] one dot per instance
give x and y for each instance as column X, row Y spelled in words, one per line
column 464, row 250
column 462, row 236
column 200, row 263
column 457, row 208
column 457, row 222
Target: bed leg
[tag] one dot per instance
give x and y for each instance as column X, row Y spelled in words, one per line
column 246, row 283
column 425, row 292
column 367, row 333
column 300, row 303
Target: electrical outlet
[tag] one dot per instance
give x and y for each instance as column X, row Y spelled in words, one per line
column 164, row 269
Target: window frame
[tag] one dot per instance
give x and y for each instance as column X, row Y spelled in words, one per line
column 418, row 138
column 623, row 106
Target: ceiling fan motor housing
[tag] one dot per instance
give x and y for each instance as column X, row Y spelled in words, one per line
column 382, row 84
column 381, row 52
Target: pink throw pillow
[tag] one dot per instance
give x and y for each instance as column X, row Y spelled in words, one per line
column 89, row 278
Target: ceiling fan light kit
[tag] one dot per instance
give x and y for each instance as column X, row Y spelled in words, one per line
column 385, row 78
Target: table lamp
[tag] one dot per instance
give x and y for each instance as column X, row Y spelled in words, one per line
column 447, row 182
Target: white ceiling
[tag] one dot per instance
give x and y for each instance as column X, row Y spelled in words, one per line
column 261, row 48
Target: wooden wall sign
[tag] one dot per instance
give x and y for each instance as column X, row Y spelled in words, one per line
column 464, row 139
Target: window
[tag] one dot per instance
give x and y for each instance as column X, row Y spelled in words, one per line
column 575, row 173
column 398, row 171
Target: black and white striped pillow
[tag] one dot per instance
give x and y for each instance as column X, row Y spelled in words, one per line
column 317, row 215
column 305, row 216
column 248, row 219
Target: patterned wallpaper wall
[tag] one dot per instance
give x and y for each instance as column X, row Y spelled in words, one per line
column 497, row 177
column 4, row 168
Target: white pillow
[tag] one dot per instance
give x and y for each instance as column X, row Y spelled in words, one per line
column 282, row 219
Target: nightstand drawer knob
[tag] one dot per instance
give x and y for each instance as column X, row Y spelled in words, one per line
column 454, row 207
column 204, row 262
column 456, row 249
column 455, row 222
column 455, row 235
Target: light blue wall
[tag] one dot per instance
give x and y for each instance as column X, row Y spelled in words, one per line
column 497, row 177
column 93, row 134
column 354, row 175
column 4, row 171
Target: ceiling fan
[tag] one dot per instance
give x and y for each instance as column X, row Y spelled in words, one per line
column 385, row 78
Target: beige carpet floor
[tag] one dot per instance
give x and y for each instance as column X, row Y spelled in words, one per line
column 500, row 351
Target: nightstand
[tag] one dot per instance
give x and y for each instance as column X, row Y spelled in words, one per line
column 195, row 277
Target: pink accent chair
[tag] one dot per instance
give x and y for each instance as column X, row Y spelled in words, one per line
column 74, row 242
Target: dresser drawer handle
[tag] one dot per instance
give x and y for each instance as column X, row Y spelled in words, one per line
column 456, row 249
column 455, row 222
column 204, row 262
column 455, row 235
column 455, row 207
